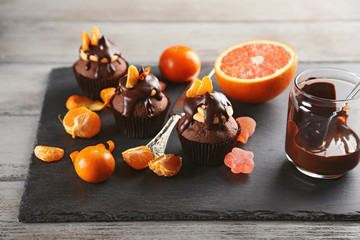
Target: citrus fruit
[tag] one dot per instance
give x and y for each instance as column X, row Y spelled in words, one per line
column 180, row 64
column 166, row 165
column 138, row 157
column 48, row 154
column 256, row 71
column 240, row 161
column 82, row 122
column 94, row 164
column 247, row 126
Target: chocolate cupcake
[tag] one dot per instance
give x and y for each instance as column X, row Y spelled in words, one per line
column 207, row 131
column 138, row 105
column 100, row 64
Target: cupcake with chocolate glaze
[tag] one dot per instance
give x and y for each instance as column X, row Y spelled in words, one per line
column 138, row 105
column 207, row 131
column 100, row 64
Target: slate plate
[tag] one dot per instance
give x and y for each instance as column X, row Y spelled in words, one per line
column 274, row 191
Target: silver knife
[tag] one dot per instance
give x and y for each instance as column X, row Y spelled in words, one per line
column 159, row 142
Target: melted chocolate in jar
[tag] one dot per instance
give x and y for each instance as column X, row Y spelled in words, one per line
column 215, row 105
column 104, row 49
column 140, row 92
column 316, row 140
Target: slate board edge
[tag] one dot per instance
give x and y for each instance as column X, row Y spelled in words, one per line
column 193, row 215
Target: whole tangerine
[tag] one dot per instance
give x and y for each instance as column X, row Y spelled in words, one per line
column 94, row 164
column 180, row 64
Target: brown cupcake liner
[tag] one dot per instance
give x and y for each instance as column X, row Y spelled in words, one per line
column 91, row 88
column 206, row 154
column 139, row 127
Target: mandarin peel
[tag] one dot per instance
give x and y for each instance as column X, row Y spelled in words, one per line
column 76, row 101
column 132, row 76
column 106, row 95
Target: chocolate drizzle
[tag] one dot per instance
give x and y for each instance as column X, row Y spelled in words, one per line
column 104, row 49
column 216, row 104
column 140, row 92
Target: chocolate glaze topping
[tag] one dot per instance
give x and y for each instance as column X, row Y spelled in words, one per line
column 140, row 92
column 216, row 104
column 104, row 49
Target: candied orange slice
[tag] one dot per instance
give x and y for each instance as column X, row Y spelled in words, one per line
column 82, row 122
column 166, row 165
column 138, row 157
column 191, row 92
column 132, row 76
column 85, row 41
column 95, row 36
column 206, row 86
column 247, row 126
column 48, row 154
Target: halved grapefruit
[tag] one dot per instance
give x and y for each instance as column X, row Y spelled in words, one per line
column 256, row 71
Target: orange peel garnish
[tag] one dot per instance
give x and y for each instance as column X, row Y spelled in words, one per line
column 106, row 95
column 144, row 73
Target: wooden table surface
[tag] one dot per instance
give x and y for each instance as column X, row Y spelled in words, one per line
column 36, row 36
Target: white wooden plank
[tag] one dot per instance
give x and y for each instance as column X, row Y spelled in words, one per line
column 16, row 145
column 58, row 42
column 178, row 10
column 10, row 194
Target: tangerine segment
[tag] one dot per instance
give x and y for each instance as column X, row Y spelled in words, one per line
column 85, row 41
column 132, row 76
column 95, row 36
column 191, row 92
column 76, row 101
column 82, row 122
column 48, row 154
column 256, row 71
column 206, row 86
column 247, row 126
column 138, row 157
column 93, row 164
column 166, row 165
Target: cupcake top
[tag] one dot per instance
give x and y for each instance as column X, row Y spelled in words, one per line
column 99, row 50
column 139, row 94
column 208, row 114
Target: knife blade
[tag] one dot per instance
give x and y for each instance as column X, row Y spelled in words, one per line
column 158, row 144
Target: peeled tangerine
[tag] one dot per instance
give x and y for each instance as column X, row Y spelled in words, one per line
column 166, row 165
column 240, row 161
column 82, row 122
column 247, row 125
